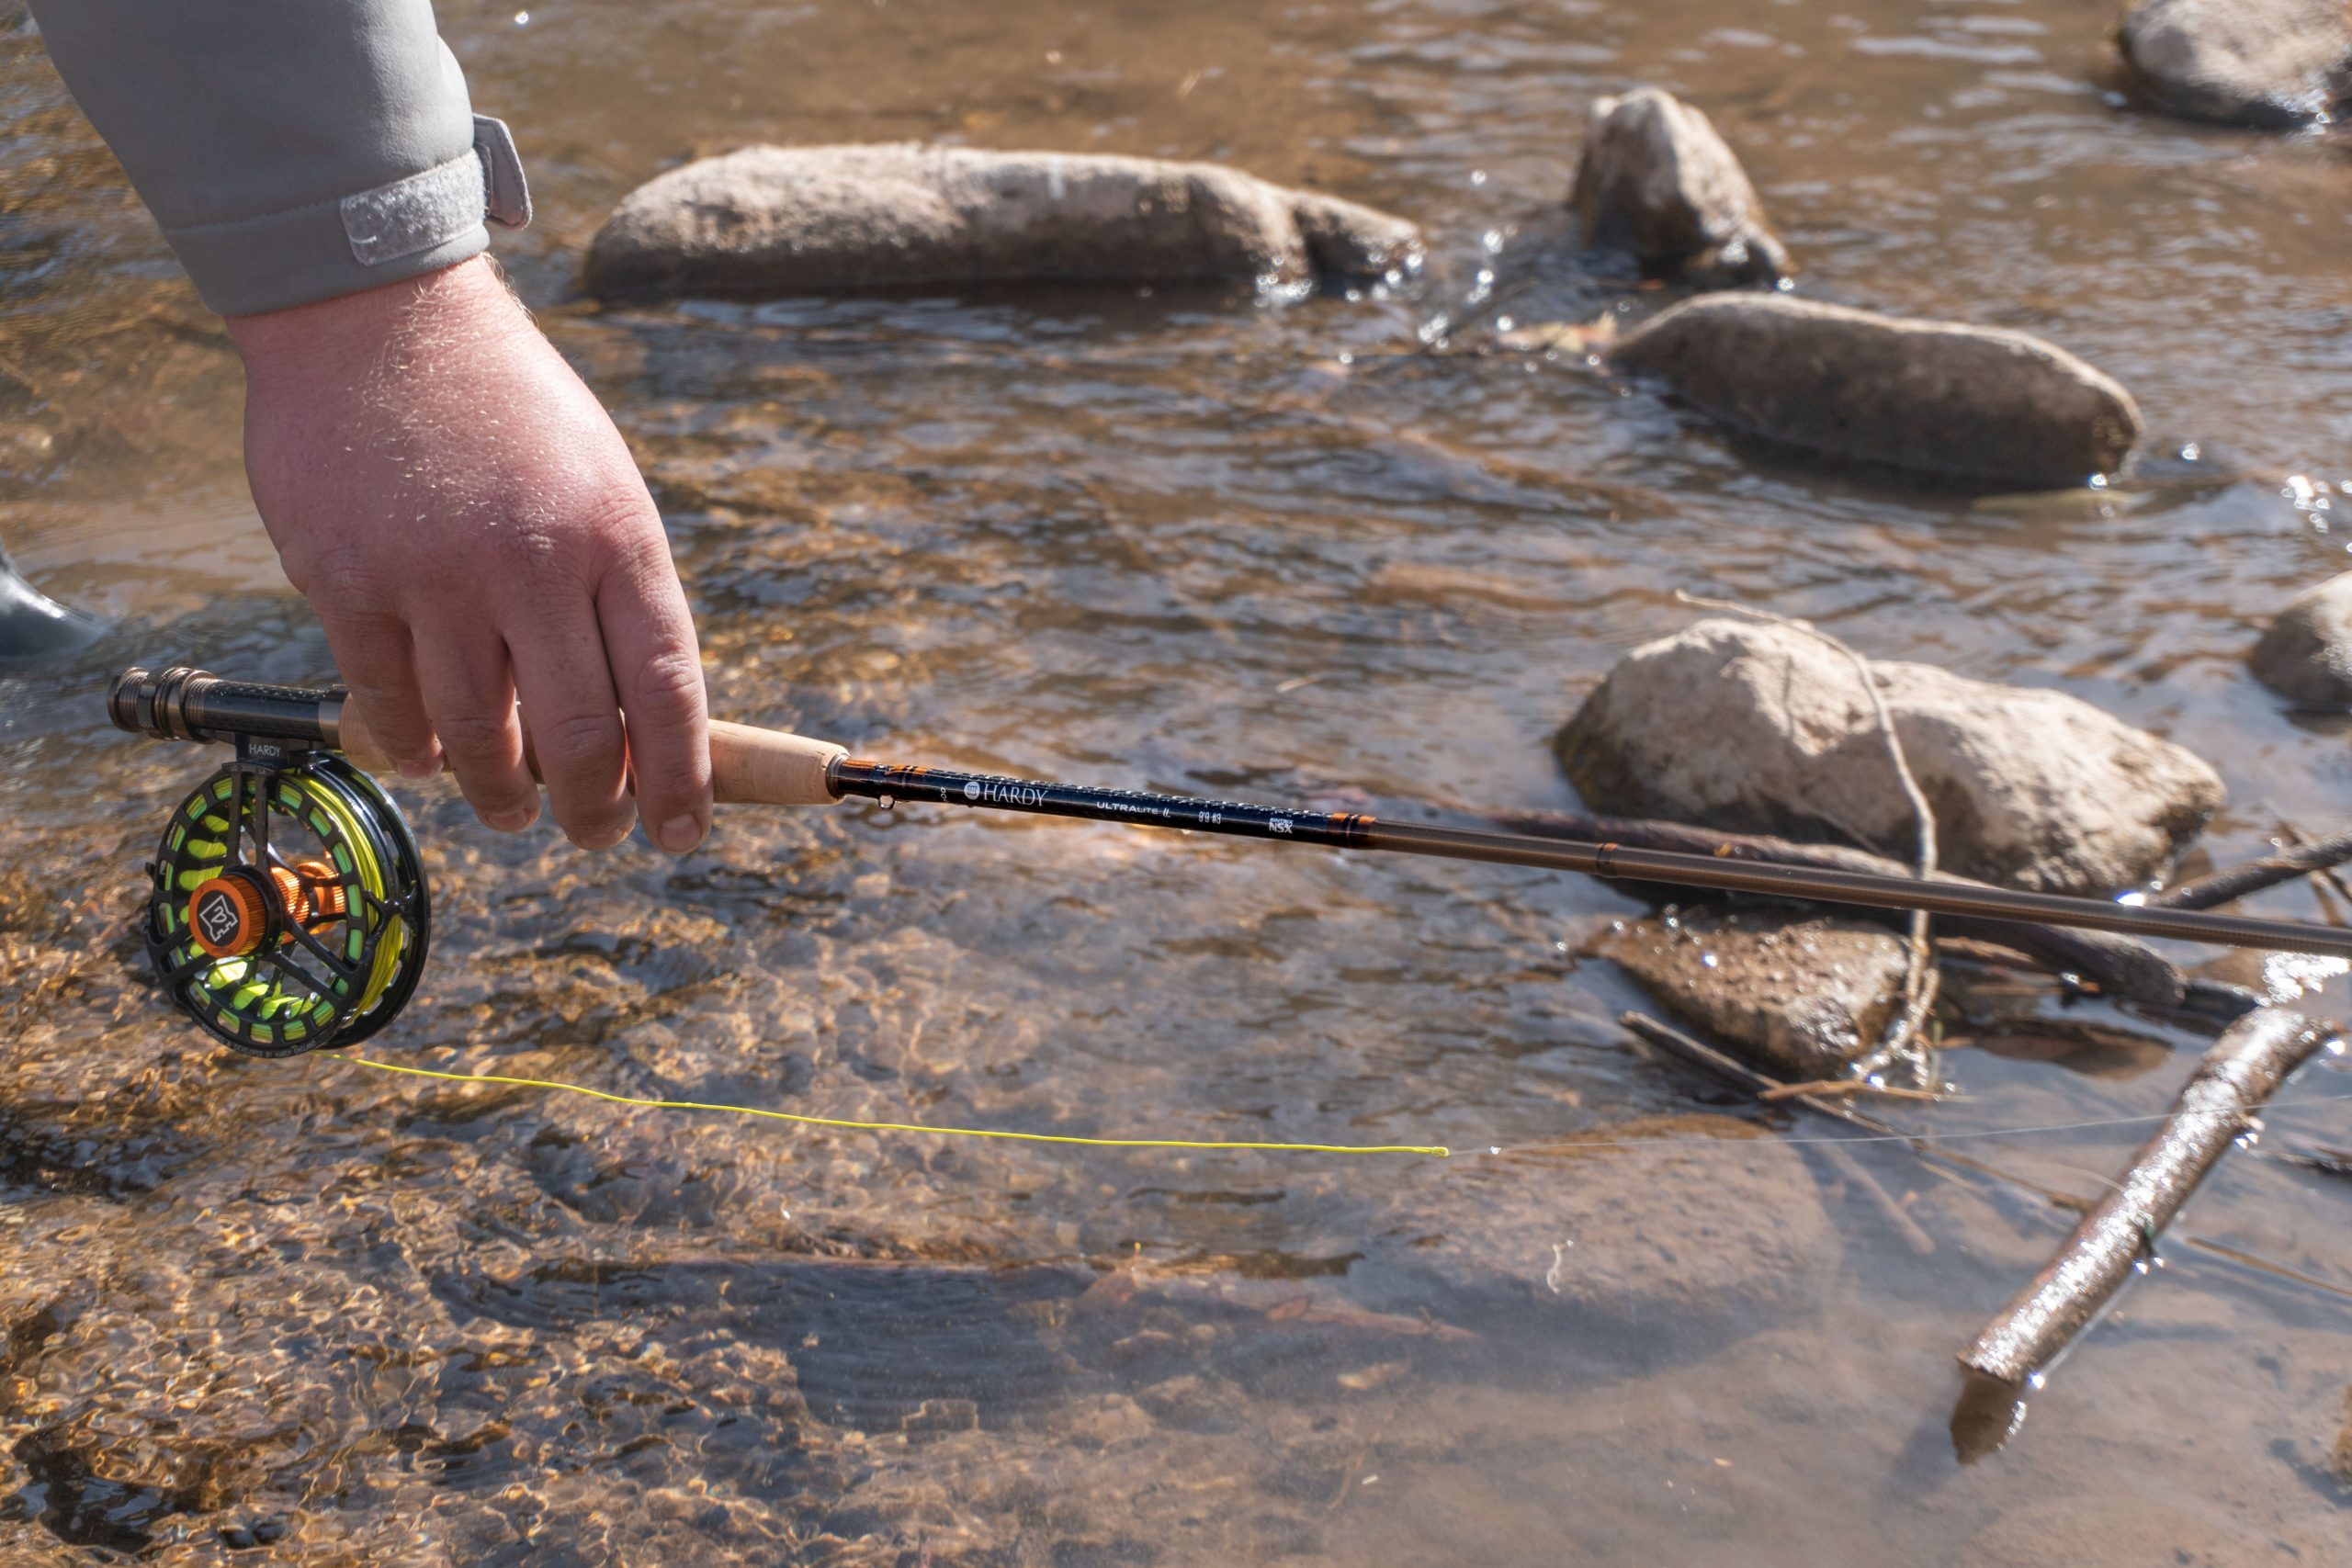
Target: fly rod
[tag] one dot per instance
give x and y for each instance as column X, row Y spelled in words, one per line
column 278, row 954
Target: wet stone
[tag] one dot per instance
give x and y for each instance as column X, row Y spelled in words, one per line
column 1656, row 181
column 1764, row 729
column 2306, row 654
column 1659, row 1227
column 1800, row 999
column 782, row 220
column 1983, row 404
column 2271, row 63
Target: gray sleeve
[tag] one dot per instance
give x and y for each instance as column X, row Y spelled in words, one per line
column 292, row 150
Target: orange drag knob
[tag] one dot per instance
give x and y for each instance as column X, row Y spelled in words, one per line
column 226, row 918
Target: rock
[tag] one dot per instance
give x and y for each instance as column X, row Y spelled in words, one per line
column 1704, row 1222
column 1656, row 180
column 2273, row 64
column 773, row 220
column 1980, row 404
column 34, row 626
column 1763, row 729
column 2306, row 656
column 1801, row 998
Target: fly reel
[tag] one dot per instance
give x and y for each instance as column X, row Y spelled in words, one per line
column 288, row 910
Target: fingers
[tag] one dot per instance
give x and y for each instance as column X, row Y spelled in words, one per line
column 650, row 635
column 463, row 673
column 576, row 733
column 377, row 660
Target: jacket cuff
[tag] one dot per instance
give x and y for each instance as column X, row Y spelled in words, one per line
column 426, row 221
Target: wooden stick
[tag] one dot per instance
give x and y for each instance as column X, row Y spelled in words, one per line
column 2120, row 966
column 2253, row 1057
column 1844, row 1088
column 2237, row 881
column 1739, row 1075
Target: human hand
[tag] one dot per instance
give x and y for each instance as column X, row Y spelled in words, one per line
column 468, row 526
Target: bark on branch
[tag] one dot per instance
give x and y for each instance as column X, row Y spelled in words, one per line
column 2253, row 1057
column 2120, row 967
column 2237, row 881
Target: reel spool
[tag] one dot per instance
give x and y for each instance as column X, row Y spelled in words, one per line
column 288, row 910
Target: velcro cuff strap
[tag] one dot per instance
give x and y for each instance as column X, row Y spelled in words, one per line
column 404, row 229
column 416, row 214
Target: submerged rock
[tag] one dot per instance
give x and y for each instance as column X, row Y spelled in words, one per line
column 1655, row 179
column 2306, row 656
column 1980, row 404
column 1652, row 1227
column 34, row 626
column 1801, row 998
column 822, row 220
column 1763, row 729
column 2274, row 64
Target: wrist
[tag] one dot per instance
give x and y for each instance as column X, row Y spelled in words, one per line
column 347, row 337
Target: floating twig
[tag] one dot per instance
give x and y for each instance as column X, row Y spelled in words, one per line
column 1738, row 1074
column 2269, row 871
column 1919, row 971
column 2120, row 966
column 1846, row 1088
column 2253, row 1057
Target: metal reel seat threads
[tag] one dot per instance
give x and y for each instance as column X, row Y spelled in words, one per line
column 288, row 910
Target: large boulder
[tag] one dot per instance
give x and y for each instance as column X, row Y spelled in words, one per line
column 1652, row 1228
column 1801, row 998
column 1764, row 729
column 2275, row 63
column 776, row 221
column 2306, row 656
column 1980, row 404
column 1656, row 180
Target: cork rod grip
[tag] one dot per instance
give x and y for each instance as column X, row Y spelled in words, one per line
column 748, row 766
column 769, row 767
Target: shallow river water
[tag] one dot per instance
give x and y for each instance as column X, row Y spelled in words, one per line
column 1198, row 543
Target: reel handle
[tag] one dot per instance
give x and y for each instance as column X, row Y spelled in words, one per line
column 748, row 766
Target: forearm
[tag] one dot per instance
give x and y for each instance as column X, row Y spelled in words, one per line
column 292, row 150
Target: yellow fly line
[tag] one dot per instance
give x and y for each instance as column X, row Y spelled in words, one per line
column 1436, row 1150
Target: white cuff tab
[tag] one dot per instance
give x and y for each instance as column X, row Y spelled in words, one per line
column 507, row 192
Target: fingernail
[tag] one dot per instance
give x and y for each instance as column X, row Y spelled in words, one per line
column 417, row 768
column 512, row 821
column 679, row 834
column 603, row 841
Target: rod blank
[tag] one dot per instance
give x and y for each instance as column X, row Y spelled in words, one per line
column 1676, row 868
column 770, row 767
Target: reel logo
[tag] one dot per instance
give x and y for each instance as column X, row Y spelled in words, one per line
column 215, row 915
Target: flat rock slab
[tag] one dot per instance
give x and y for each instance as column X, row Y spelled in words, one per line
column 1656, row 180
column 2306, row 655
column 1979, row 403
column 2272, row 63
column 777, row 220
column 1699, row 1222
column 1800, row 999
column 1763, row 729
